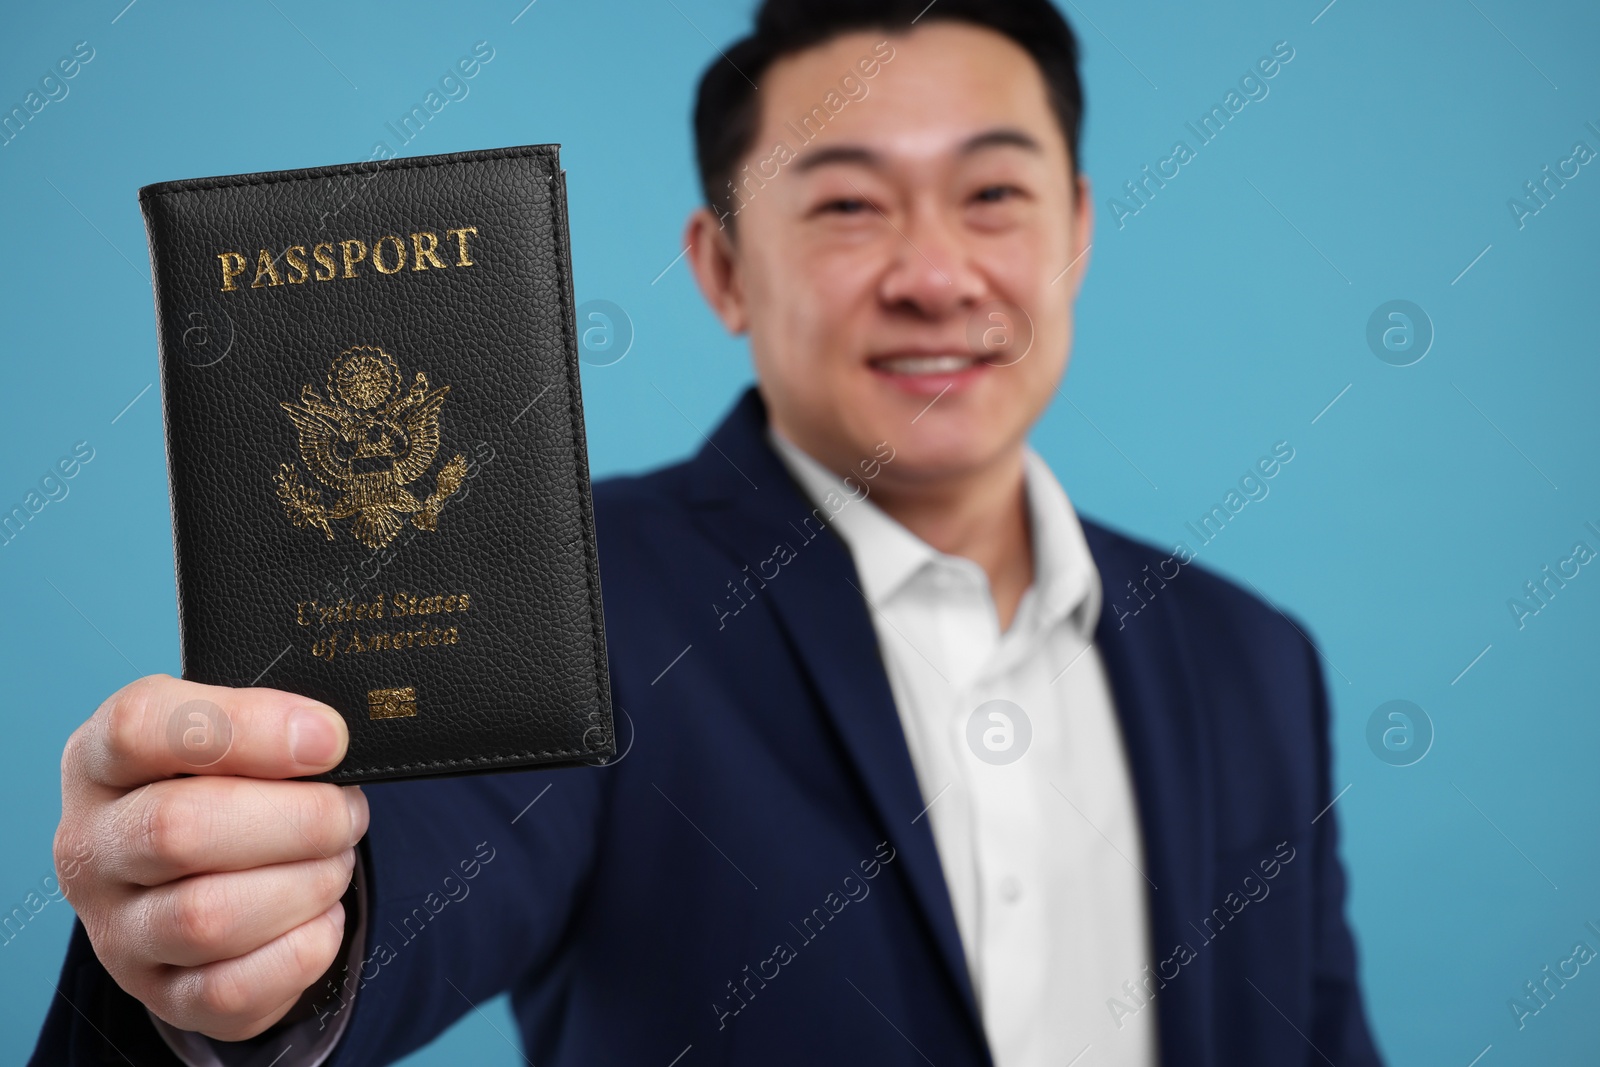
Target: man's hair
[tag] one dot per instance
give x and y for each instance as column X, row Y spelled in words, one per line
column 727, row 111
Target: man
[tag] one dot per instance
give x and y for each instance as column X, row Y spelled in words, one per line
column 899, row 790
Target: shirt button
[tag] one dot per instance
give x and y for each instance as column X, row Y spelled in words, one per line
column 1010, row 889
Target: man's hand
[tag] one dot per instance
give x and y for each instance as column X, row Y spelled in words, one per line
column 213, row 899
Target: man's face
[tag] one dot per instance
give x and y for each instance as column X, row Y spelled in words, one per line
column 868, row 272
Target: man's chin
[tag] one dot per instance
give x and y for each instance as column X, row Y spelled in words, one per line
column 926, row 461
column 916, row 447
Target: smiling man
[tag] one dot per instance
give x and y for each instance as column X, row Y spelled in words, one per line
column 905, row 794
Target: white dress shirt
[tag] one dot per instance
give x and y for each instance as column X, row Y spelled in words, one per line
column 1042, row 854
column 1039, row 842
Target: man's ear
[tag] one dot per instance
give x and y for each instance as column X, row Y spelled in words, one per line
column 714, row 258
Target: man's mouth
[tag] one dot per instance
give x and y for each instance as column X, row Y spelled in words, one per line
column 919, row 365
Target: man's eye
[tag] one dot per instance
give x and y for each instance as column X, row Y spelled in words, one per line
column 843, row 206
column 994, row 194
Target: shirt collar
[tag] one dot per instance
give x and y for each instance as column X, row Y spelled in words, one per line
column 1066, row 582
column 1065, row 576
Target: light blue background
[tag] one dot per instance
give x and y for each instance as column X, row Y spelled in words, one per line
column 1222, row 318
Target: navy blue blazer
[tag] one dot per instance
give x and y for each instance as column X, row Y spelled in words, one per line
column 750, row 882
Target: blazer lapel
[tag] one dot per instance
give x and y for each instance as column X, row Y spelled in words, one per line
column 1149, row 664
column 820, row 605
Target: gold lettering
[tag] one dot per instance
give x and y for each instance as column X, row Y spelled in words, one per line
column 296, row 258
column 328, row 260
column 460, row 235
column 425, row 246
column 354, row 252
column 266, row 268
column 426, row 635
column 399, row 254
column 233, row 265
column 323, row 253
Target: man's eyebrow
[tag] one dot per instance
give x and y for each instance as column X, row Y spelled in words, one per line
column 838, row 154
column 1003, row 136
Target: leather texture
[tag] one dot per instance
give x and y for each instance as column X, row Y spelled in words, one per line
column 322, row 416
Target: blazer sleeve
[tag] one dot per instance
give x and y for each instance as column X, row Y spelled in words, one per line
column 1339, row 1025
column 473, row 883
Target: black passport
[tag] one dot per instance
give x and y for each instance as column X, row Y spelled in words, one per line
column 380, row 486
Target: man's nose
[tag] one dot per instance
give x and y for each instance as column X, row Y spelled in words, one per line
column 932, row 270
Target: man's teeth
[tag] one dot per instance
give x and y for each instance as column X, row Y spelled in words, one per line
column 926, row 364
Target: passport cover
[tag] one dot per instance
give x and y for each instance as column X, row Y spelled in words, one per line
column 380, row 487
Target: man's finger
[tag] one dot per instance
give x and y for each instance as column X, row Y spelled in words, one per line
column 215, row 998
column 159, row 727
column 184, row 826
column 212, row 917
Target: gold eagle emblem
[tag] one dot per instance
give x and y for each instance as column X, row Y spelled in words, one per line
column 367, row 441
